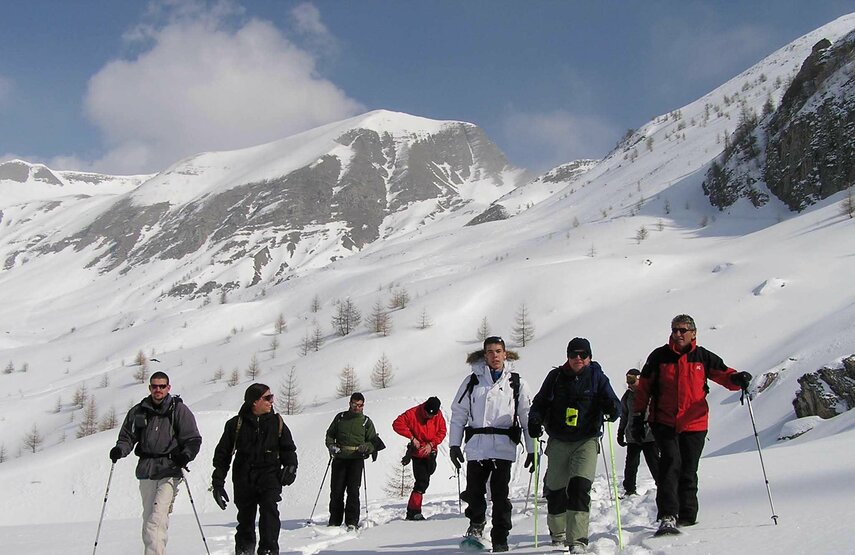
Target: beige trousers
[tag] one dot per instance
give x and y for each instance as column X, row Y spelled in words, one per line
column 157, row 499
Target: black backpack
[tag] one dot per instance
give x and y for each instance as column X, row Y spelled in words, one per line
column 515, row 431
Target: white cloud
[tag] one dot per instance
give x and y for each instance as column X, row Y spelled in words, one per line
column 199, row 86
column 542, row 140
column 307, row 22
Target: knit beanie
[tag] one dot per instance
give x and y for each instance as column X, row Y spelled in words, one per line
column 432, row 405
column 254, row 392
column 579, row 344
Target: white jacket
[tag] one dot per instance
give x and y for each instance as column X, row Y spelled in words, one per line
column 491, row 405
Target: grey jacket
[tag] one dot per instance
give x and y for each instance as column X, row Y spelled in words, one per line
column 156, row 431
column 625, row 426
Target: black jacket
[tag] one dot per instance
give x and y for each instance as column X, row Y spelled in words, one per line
column 571, row 406
column 260, row 446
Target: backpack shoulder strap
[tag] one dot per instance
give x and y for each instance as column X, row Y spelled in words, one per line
column 515, row 386
column 237, row 429
column 281, row 424
column 470, row 386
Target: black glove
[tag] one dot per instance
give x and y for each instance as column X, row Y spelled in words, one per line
column 639, row 426
column 535, row 427
column 742, row 379
column 220, row 496
column 456, row 456
column 288, row 475
column 611, row 417
column 180, row 459
column 364, row 448
column 529, row 462
column 115, row 454
column 621, row 441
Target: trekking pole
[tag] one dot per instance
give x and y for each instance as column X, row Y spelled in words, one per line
column 606, row 468
column 536, row 484
column 103, row 507
column 459, row 502
column 528, row 491
column 365, row 483
column 745, row 395
column 324, row 479
column 614, row 485
column 192, row 504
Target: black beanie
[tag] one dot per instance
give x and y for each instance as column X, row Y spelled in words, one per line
column 432, row 405
column 633, row 372
column 579, row 344
column 254, row 392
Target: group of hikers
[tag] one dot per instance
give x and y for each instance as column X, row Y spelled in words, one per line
column 664, row 415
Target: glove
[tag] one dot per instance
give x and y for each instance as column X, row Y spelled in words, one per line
column 611, row 417
column 180, row 459
column 334, row 450
column 115, row 454
column 456, row 456
column 742, row 379
column 621, row 440
column 364, row 448
column 535, row 426
column 425, row 449
column 220, row 496
column 639, row 426
column 288, row 475
column 529, row 462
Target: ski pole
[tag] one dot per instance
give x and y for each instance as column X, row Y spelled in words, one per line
column 536, row 484
column 614, row 485
column 459, row 502
column 365, row 483
column 745, row 395
column 103, row 507
column 192, row 504
column 606, row 468
column 528, row 491
column 324, row 479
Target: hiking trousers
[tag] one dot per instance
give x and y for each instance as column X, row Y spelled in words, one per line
column 158, row 497
column 346, row 478
column 257, row 491
column 498, row 473
column 569, row 476
column 633, row 458
column 677, row 486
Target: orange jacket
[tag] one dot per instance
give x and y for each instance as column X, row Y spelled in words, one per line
column 414, row 423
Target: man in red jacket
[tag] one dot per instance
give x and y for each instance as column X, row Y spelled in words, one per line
column 673, row 385
column 424, row 426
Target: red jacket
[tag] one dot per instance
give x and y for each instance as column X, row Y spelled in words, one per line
column 414, row 423
column 675, row 386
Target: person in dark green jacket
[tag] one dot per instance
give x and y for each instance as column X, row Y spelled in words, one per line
column 350, row 439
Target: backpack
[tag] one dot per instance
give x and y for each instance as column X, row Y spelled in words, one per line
column 237, row 430
column 141, row 419
column 515, row 431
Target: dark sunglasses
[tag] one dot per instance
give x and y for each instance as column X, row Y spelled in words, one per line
column 158, row 385
column 267, row 398
column 577, row 354
column 357, row 404
column 681, row 330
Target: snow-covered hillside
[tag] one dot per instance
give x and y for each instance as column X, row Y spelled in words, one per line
column 611, row 255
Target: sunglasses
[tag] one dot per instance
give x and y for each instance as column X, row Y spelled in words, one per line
column 358, row 404
column 577, row 354
column 268, row 398
column 158, row 385
column 681, row 331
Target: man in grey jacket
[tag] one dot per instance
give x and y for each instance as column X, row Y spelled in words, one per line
column 635, row 446
column 162, row 432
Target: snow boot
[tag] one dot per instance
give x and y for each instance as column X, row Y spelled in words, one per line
column 667, row 526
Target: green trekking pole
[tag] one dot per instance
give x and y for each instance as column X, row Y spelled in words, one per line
column 614, row 485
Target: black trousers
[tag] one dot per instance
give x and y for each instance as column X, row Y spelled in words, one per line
column 677, row 488
column 633, row 457
column 346, row 477
column 498, row 473
column 257, row 492
column 423, row 469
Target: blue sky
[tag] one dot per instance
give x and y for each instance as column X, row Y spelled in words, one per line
column 130, row 86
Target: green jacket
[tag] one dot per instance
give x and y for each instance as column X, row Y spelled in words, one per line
column 349, row 430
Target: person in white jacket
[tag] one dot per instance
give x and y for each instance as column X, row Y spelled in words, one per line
column 491, row 410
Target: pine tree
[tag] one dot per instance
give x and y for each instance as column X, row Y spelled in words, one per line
column 346, row 317
column 3, row 455
column 105, row 381
column 483, row 330
column 281, row 326
column 9, row 368
column 109, row 420
column 89, row 424
column 400, row 298
column 33, row 440
column 218, row 374
column 274, row 344
column 379, row 321
column 523, row 328
column 424, row 320
column 847, row 207
column 57, row 408
column 141, row 374
column 305, row 344
column 383, row 374
column 81, row 394
column 315, row 305
column 234, row 379
column 399, row 482
column 288, row 398
column 348, row 382
column 254, row 369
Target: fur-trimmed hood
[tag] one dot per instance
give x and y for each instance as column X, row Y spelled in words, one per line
column 475, row 356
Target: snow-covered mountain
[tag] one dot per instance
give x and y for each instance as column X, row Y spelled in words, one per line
column 610, row 250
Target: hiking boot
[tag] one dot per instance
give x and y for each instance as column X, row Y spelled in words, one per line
column 578, row 547
column 557, row 539
column 352, row 527
column 499, row 547
column 476, row 529
column 667, row 526
column 415, row 516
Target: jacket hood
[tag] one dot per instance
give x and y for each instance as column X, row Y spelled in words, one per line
column 478, row 355
column 674, row 348
column 148, row 404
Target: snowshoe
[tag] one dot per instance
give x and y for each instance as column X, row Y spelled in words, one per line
column 667, row 527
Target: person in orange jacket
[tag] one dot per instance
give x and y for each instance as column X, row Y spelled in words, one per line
column 425, row 427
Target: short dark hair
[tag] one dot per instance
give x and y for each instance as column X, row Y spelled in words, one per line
column 494, row 340
column 357, row 397
column 684, row 319
column 159, row 376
